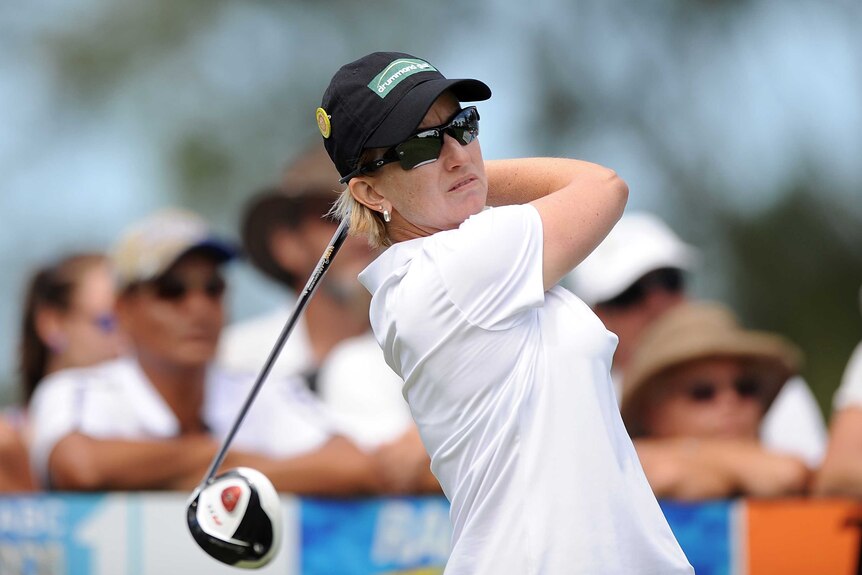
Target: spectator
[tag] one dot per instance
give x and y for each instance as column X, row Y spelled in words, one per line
column 285, row 231
column 68, row 321
column 841, row 473
column 150, row 420
column 635, row 276
column 68, row 318
column 693, row 398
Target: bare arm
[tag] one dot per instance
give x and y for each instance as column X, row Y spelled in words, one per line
column 578, row 202
column 709, row 469
column 841, row 471
column 79, row 462
column 404, row 465
column 14, row 464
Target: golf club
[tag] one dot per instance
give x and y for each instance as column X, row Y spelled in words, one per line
column 232, row 516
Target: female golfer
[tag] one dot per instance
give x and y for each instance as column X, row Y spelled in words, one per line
column 507, row 376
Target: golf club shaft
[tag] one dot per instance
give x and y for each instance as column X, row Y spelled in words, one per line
column 304, row 297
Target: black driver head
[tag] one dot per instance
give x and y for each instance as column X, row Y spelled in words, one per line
column 236, row 518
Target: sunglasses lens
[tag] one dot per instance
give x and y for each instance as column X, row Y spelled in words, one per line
column 170, row 289
column 420, row 149
column 175, row 289
column 702, row 392
column 747, row 388
column 669, row 279
column 465, row 126
column 215, row 287
column 425, row 146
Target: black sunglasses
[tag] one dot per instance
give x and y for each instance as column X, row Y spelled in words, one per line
column 706, row 391
column 424, row 146
column 172, row 288
column 669, row 280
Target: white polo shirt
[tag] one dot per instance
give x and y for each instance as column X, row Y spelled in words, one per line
column 115, row 400
column 510, row 388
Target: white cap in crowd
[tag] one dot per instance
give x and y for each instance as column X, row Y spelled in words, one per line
column 638, row 244
column 150, row 246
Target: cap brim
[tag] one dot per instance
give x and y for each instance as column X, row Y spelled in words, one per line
column 404, row 118
column 220, row 251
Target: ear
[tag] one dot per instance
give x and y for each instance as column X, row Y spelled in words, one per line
column 366, row 193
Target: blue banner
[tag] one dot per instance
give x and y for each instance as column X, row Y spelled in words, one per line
column 375, row 536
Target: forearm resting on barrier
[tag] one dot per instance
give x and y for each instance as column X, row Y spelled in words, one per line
column 692, row 469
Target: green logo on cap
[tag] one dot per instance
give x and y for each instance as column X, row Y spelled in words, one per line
column 392, row 74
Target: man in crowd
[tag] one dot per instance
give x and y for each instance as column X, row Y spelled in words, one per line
column 154, row 419
column 639, row 273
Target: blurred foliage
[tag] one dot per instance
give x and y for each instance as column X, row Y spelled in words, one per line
column 796, row 270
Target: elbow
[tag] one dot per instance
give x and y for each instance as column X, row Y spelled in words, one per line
column 70, row 468
column 619, row 190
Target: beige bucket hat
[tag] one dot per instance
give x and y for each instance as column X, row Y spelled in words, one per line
column 700, row 330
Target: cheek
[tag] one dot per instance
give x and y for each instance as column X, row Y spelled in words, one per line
column 675, row 418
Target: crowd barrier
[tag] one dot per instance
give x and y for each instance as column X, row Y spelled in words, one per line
column 145, row 534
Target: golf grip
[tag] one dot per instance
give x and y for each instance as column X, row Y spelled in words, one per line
column 301, row 302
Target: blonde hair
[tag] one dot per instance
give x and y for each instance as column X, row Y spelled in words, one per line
column 364, row 222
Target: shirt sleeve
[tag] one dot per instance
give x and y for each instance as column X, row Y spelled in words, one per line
column 286, row 420
column 492, row 265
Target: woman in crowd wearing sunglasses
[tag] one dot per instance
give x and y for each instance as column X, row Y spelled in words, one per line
column 153, row 418
column 507, row 376
column 68, row 318
column 693, row 398
column 67, row 321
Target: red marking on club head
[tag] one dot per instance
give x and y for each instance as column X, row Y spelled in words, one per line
column 230, row 497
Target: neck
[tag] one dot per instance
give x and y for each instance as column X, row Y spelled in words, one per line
column 182, row 388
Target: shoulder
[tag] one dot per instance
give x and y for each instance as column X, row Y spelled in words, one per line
column 112, row 373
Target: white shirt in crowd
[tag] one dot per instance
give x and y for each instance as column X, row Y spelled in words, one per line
column 363, row 394
column 794, row 424
column 510, row 388
column 244, row 346
column 850, row 391
column 115, row 400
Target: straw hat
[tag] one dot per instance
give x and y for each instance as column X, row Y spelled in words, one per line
column 309, row 185
column 700, row 330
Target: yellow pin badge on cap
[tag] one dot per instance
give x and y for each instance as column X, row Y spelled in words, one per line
column 323, row 123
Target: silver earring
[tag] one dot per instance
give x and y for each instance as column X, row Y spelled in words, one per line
column 386, row 217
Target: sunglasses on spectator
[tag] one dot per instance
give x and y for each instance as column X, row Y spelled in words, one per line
column 425, row 146
column 173, row 288
column 669, row 280
column 707, row 391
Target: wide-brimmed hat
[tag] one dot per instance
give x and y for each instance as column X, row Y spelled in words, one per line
column 639, row 244
column 309, row 186
column 149, row 247
column 378, row 101
column 701, row 330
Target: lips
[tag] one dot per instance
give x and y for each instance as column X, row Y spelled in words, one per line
column 462, row 182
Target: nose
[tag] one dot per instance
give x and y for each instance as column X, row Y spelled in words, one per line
column 453, row 153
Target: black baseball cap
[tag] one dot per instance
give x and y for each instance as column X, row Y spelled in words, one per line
column 378, row 101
